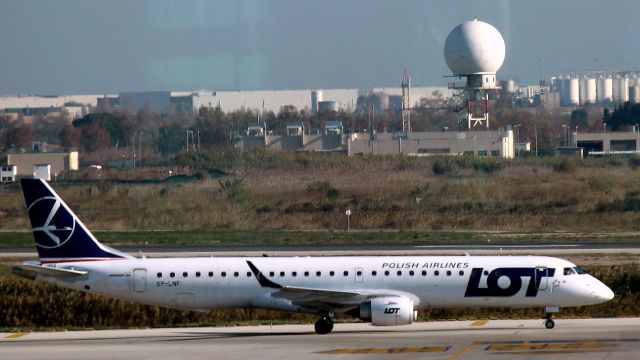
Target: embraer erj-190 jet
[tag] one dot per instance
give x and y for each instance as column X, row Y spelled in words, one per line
column 383, row 290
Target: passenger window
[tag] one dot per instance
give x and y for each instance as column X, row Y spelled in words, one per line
column 185, row 274
column 374, row 273
column 198, row 274
column 331, row 273
column 346, row 273
column 172, row 274
column 486, row 272
column 271, row 273
column 281, row 273
column 399, row 272
column 306, row 273
column 236, row 274
column 448, row 272
column 424, row 272
column 159, row 275
column 223, row 274
column 411, row 273
column 436, row 273
column 294, row 274
column 318, row 273
column 461, row 272
column 386, row 273
column 210, row 273
column 359, row 273
column 248, row 273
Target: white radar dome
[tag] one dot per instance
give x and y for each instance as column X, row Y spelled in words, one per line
column 474, row 47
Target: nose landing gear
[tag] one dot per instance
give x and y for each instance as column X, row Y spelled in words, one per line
column 548, row 316
column 324, row 325
column 549, row 323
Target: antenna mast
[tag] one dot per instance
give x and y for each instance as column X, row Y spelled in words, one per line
column 406, row 103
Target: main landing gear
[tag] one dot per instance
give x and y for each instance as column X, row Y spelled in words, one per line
column 548, row 316
column 324, row 325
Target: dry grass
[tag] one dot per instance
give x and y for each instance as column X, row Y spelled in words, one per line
column 383, row 193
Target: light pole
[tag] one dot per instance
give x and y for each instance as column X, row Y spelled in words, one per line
column 604, row 127
column 348, row 213
column 517, row 128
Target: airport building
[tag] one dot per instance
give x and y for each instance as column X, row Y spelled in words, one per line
column 608, row 143
column 27, row 163
column 332, row 139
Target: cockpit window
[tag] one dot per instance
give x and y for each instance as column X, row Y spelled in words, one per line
column 569, row 271
column 579, row 270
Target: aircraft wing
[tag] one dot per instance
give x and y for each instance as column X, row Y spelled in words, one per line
column 320, row 298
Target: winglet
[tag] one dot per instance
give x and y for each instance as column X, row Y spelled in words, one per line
column 264, row 282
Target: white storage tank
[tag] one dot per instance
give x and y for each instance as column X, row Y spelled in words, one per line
column 621, row 89
column 604, row 89
column 634, row 94
column 564, row 95
column 574, row 92
column 590, row 91
column 582, row 83
column 316, row 97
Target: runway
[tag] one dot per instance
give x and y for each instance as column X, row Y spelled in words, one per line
column 583, row 339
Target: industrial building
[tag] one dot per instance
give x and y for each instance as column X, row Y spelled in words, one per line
column 25, row 163
column 163, row 102
column 608, row 143
column 332, row 139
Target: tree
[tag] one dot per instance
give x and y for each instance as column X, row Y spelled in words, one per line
column 119, row 126
column 579, row 118
column 171, row 138
column 70, row 137
column 211, row 124
column 20, row 136
column 625, row 115
column 94, row 138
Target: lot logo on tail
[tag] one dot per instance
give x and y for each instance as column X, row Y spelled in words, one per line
column 52, row 224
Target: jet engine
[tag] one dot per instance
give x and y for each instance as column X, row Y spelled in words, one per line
column 388, row 311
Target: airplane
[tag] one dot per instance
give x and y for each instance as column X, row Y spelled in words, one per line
column 382, row 290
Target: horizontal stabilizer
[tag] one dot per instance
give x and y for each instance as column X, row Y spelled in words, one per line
column 30, row 270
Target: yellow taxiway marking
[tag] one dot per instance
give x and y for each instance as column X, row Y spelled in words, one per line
column 547, row 346
column 463, row 351
column 403, row 350
column 16, row 335
column 479, row 322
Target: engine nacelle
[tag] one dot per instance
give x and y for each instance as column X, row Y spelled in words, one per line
column 388, row 311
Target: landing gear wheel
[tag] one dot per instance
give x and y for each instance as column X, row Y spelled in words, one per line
column 549, row 324
column 324, row 325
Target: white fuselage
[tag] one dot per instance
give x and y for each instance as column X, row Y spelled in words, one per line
column 430, row 281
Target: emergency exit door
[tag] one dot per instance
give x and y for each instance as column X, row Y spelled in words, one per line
column 139, row 280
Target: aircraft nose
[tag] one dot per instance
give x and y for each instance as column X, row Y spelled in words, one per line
column 602, row 293
column 606, row 294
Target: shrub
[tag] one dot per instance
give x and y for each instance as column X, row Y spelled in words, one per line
column 487, row 166
column 565, row 166
column 233, row 189
column 634, row 161
column 324, row 188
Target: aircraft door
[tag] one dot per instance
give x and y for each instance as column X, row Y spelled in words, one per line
column 359, row 275
column 541, row 278
column 139, row 280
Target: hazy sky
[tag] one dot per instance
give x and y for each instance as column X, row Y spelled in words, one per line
column 110, row 46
